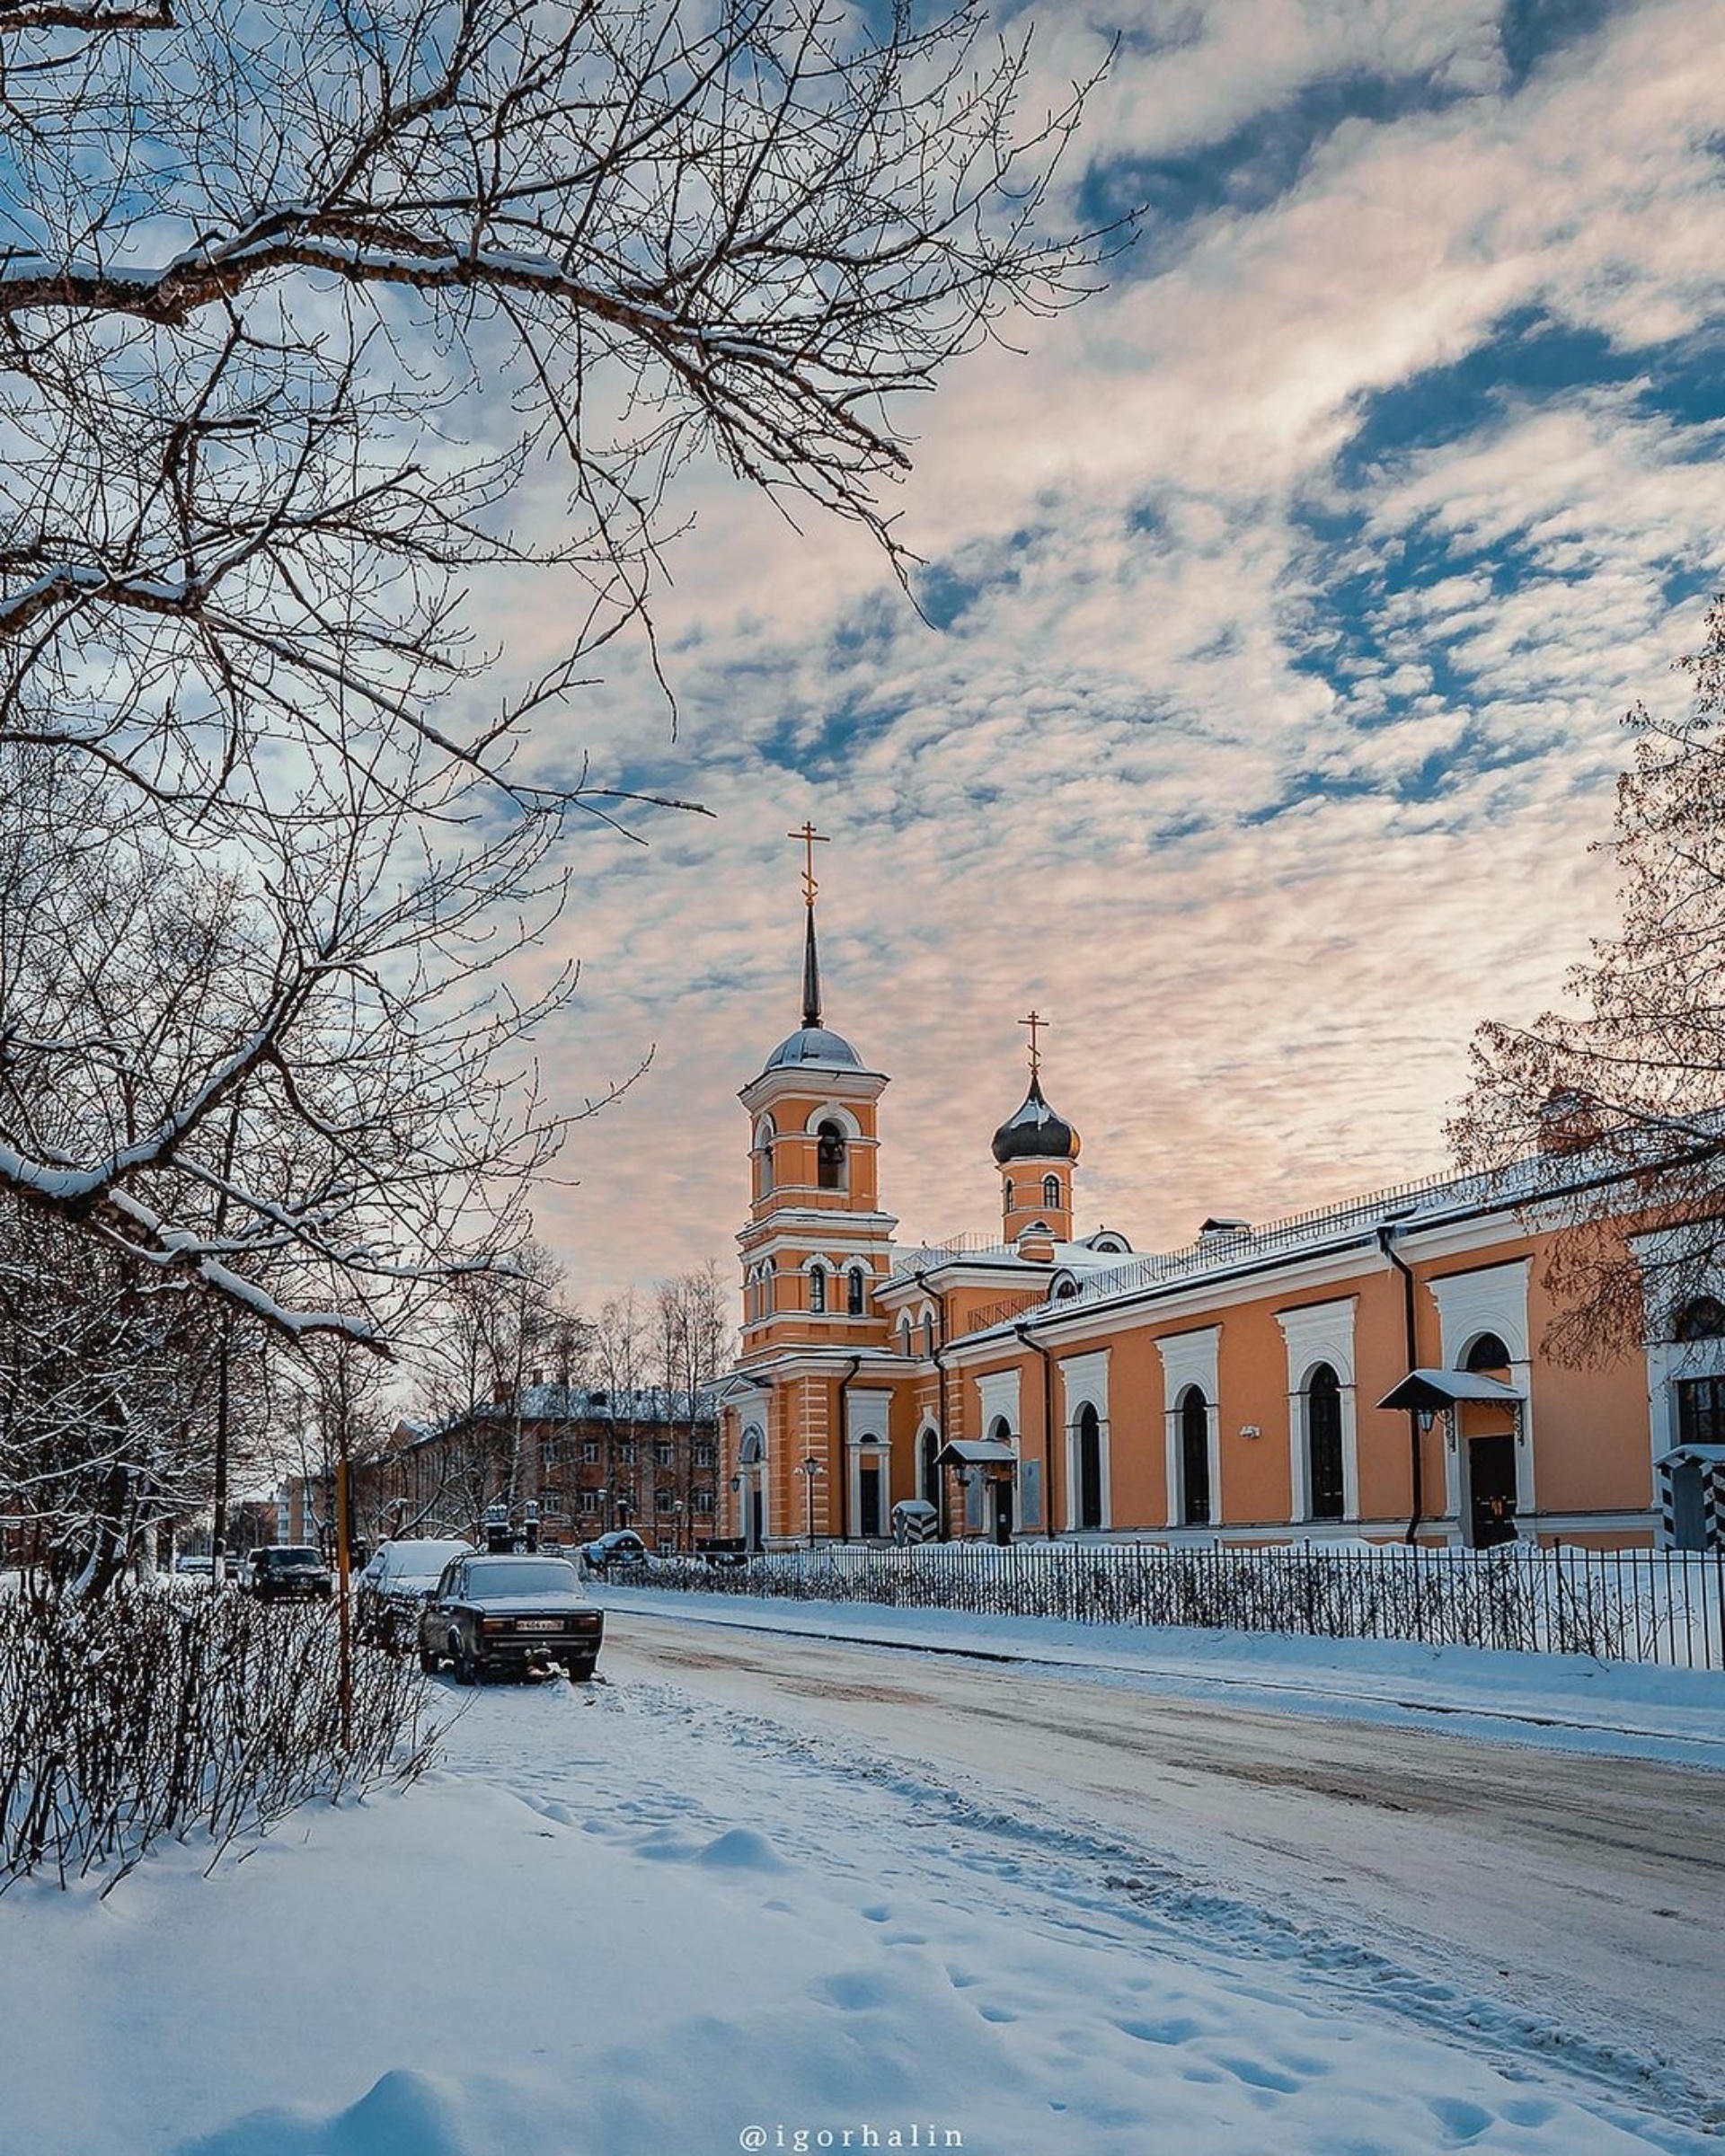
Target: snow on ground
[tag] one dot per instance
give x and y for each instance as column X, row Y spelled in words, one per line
column 621, row 1921
column 1568, row 1702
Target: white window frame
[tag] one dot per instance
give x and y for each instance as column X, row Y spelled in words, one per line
column 1083, row 1380
column 1320, row 1332
column 1187, row 1359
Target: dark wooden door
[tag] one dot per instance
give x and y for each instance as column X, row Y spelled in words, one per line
column 1491, row 1489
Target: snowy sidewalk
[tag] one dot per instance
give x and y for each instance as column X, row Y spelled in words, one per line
column 622, row 1923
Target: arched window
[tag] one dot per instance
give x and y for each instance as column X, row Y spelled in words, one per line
column 1702, row 1320
column 1090, row 1467
column 929, row 1449
column 1324, row 1443
column 1051, row 1192
column 829, row 1155
column 1487, row 1354
column 818, row 1289
column 765, row 1134
column 854, row 1286
column 1011, row 1194
column 904, row 1334
column 1194, row 1458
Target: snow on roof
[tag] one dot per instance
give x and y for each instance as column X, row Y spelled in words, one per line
column 1421, row 1204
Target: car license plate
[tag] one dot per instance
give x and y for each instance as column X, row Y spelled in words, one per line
column 541, row 1624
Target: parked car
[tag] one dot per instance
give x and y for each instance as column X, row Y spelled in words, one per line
column 496, row 1615
column 619, row 1551
column 191, row 1567
column 396, row 1582
column 288, row 1572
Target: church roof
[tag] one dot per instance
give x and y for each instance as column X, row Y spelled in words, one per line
column 815, row 1044
column 1035, row 1133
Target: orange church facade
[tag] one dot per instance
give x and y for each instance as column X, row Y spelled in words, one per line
column 1372, row 1370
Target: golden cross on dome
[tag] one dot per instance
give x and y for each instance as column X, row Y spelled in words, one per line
column 810, row 838
column 1035, row 1021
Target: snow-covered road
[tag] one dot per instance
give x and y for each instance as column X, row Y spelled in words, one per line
column 1582, row 1888
column 643, row 1919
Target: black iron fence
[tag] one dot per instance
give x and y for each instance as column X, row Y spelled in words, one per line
column 1618, row 1605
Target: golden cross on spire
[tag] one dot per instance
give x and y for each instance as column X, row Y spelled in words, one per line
column 810, row 838
column 1035, row 1021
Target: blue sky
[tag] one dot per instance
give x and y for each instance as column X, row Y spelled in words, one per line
column 1283, row 606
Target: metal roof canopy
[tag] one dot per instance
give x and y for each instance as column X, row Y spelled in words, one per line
column 1713, row 1455
column 1432, row 1390
column 974, row 1452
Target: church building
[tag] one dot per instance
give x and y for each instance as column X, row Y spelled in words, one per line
column 1373, row 1369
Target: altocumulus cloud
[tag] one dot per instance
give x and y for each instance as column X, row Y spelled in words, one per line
column 1282, row 604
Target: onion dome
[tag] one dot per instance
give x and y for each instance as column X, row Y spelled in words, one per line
column 1035, row 1133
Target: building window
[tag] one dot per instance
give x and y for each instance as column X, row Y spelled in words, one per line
column 829, row 1157
column 1090, row 1467
column 1194, row 1458
column 1011, row 1199
column 1324, row 1443
column 661, row 1455
column 704, row 1501
column 904, row 1336
column 1486, row 1355
column 663, row 1501
column 1701, row 1411
column 764, row 1137
column 818, row 1290
column 625, row 1452
column 590, row 1450
column 704, row 1452
column 1051, row 1192
column 589, row 1501
column 854, row 1289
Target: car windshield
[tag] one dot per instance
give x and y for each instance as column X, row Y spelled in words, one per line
column 521, row 1576
column 282, row 1561
column 413, row 1561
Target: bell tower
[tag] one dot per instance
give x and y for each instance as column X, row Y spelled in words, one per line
column 816, row 1245
column 1035, row 1152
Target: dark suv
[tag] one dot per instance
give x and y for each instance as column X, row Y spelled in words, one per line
column 288, row 1572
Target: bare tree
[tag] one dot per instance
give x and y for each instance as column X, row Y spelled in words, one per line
column 291, row 301
column 1615, row 1120
column 110, row 1386
column 694, row 1337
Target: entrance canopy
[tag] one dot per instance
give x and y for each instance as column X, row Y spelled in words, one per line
column 1432, row 1390
column 976, row 1452
column 1704, row 1456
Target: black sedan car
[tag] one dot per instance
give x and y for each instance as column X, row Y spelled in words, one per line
column 496, row 1616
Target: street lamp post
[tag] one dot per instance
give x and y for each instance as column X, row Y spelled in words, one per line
column 810, row 1469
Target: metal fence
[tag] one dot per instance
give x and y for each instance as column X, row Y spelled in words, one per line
column 1617, row 1605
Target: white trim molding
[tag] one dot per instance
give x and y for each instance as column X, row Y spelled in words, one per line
column 1493, row 1299
column 867, row 1444
column 1083, row 1381
column 997, row 1395
column 1320, row 1332
column 1187, row 1359
column 1669, row 1361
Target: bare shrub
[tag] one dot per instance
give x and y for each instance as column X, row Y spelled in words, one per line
column 141, row 1716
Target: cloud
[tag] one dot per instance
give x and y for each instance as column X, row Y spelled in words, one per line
column 1286, row 599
